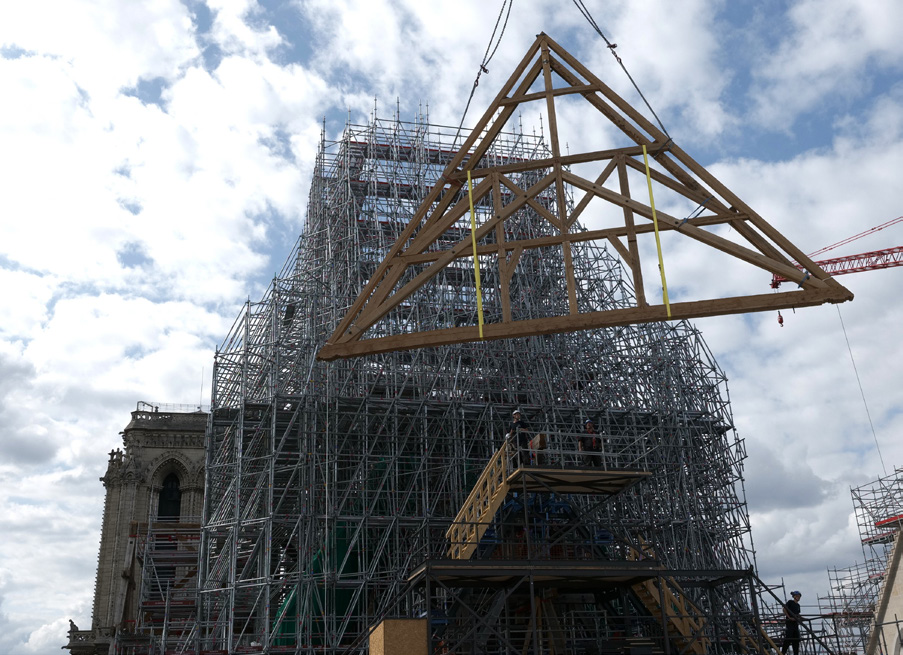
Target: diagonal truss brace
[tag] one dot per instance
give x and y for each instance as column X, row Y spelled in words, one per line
column 546, row 63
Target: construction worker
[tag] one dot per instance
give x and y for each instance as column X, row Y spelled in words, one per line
column 520, row 437
column 792, row 623
column 590, row 444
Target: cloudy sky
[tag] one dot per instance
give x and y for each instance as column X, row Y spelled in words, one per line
column 154, row 164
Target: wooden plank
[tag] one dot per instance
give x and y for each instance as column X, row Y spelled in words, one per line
column 698, row 195
column 374, row 312
column 588, row 321
column 501, row 256
column 587, row 196
column 380, row 290
column 622, row 250
column 574, row 237
column 546, row 214
column 633, row 261
column 569, row 277
column 549, row 162
column 573, row 307
column 435, row 193
column 540, row 95
column 747, row 231
column 440, row 224
column 729, row 247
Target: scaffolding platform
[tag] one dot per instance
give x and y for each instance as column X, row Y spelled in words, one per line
column 565, row 573
column 849, row 610
column 898, row 520
column 538, row 479
column 559, row 574
column 880, row 538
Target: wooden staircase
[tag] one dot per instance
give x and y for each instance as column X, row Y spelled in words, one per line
column 686, row 624
column 685, row 621
column 485, row 499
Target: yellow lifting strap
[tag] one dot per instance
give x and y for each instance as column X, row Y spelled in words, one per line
column 476, row 261
column 658, row 243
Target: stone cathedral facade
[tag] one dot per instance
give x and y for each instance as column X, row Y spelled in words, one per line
column 151, row 523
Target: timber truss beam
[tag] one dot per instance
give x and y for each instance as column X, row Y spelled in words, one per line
column 546, row 74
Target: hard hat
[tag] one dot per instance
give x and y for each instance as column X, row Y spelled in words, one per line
column 587, row 421
column 795, row 593
column 516, row 411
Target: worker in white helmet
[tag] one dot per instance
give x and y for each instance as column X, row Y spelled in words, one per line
column 519, row 435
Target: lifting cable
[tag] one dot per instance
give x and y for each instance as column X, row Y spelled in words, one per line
column 487, row 57
column 611, row 47
column 844, row 242
column 861, row 391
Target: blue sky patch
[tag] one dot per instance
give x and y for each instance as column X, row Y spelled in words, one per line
column 14, row 52
column 133, row 255
column 150, row 92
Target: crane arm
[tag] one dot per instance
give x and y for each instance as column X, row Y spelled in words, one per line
column 867, row 261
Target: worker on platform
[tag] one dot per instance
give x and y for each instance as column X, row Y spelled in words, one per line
column 792, row 623
column 519, row 435
column 590, row 444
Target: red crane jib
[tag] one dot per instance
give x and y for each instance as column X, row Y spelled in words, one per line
column 867, row 261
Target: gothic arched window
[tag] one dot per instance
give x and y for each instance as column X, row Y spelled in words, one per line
column 170, row 507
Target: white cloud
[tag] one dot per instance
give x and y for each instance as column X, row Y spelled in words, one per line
column 90, row 37
column 24, row 307
column 236, row 30
column 129, row 234
column 673, row 54
column 835, row 48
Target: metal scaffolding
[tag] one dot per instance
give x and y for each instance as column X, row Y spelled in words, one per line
column 849, row 608
column 166, row 558
column 879, row 511
column 331, row 487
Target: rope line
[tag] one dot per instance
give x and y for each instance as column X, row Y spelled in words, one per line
column 861, row 391
column 696, row 213
column 658, row 242
column 611, row 47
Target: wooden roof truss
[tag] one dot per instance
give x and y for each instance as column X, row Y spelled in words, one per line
column 548, row 73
